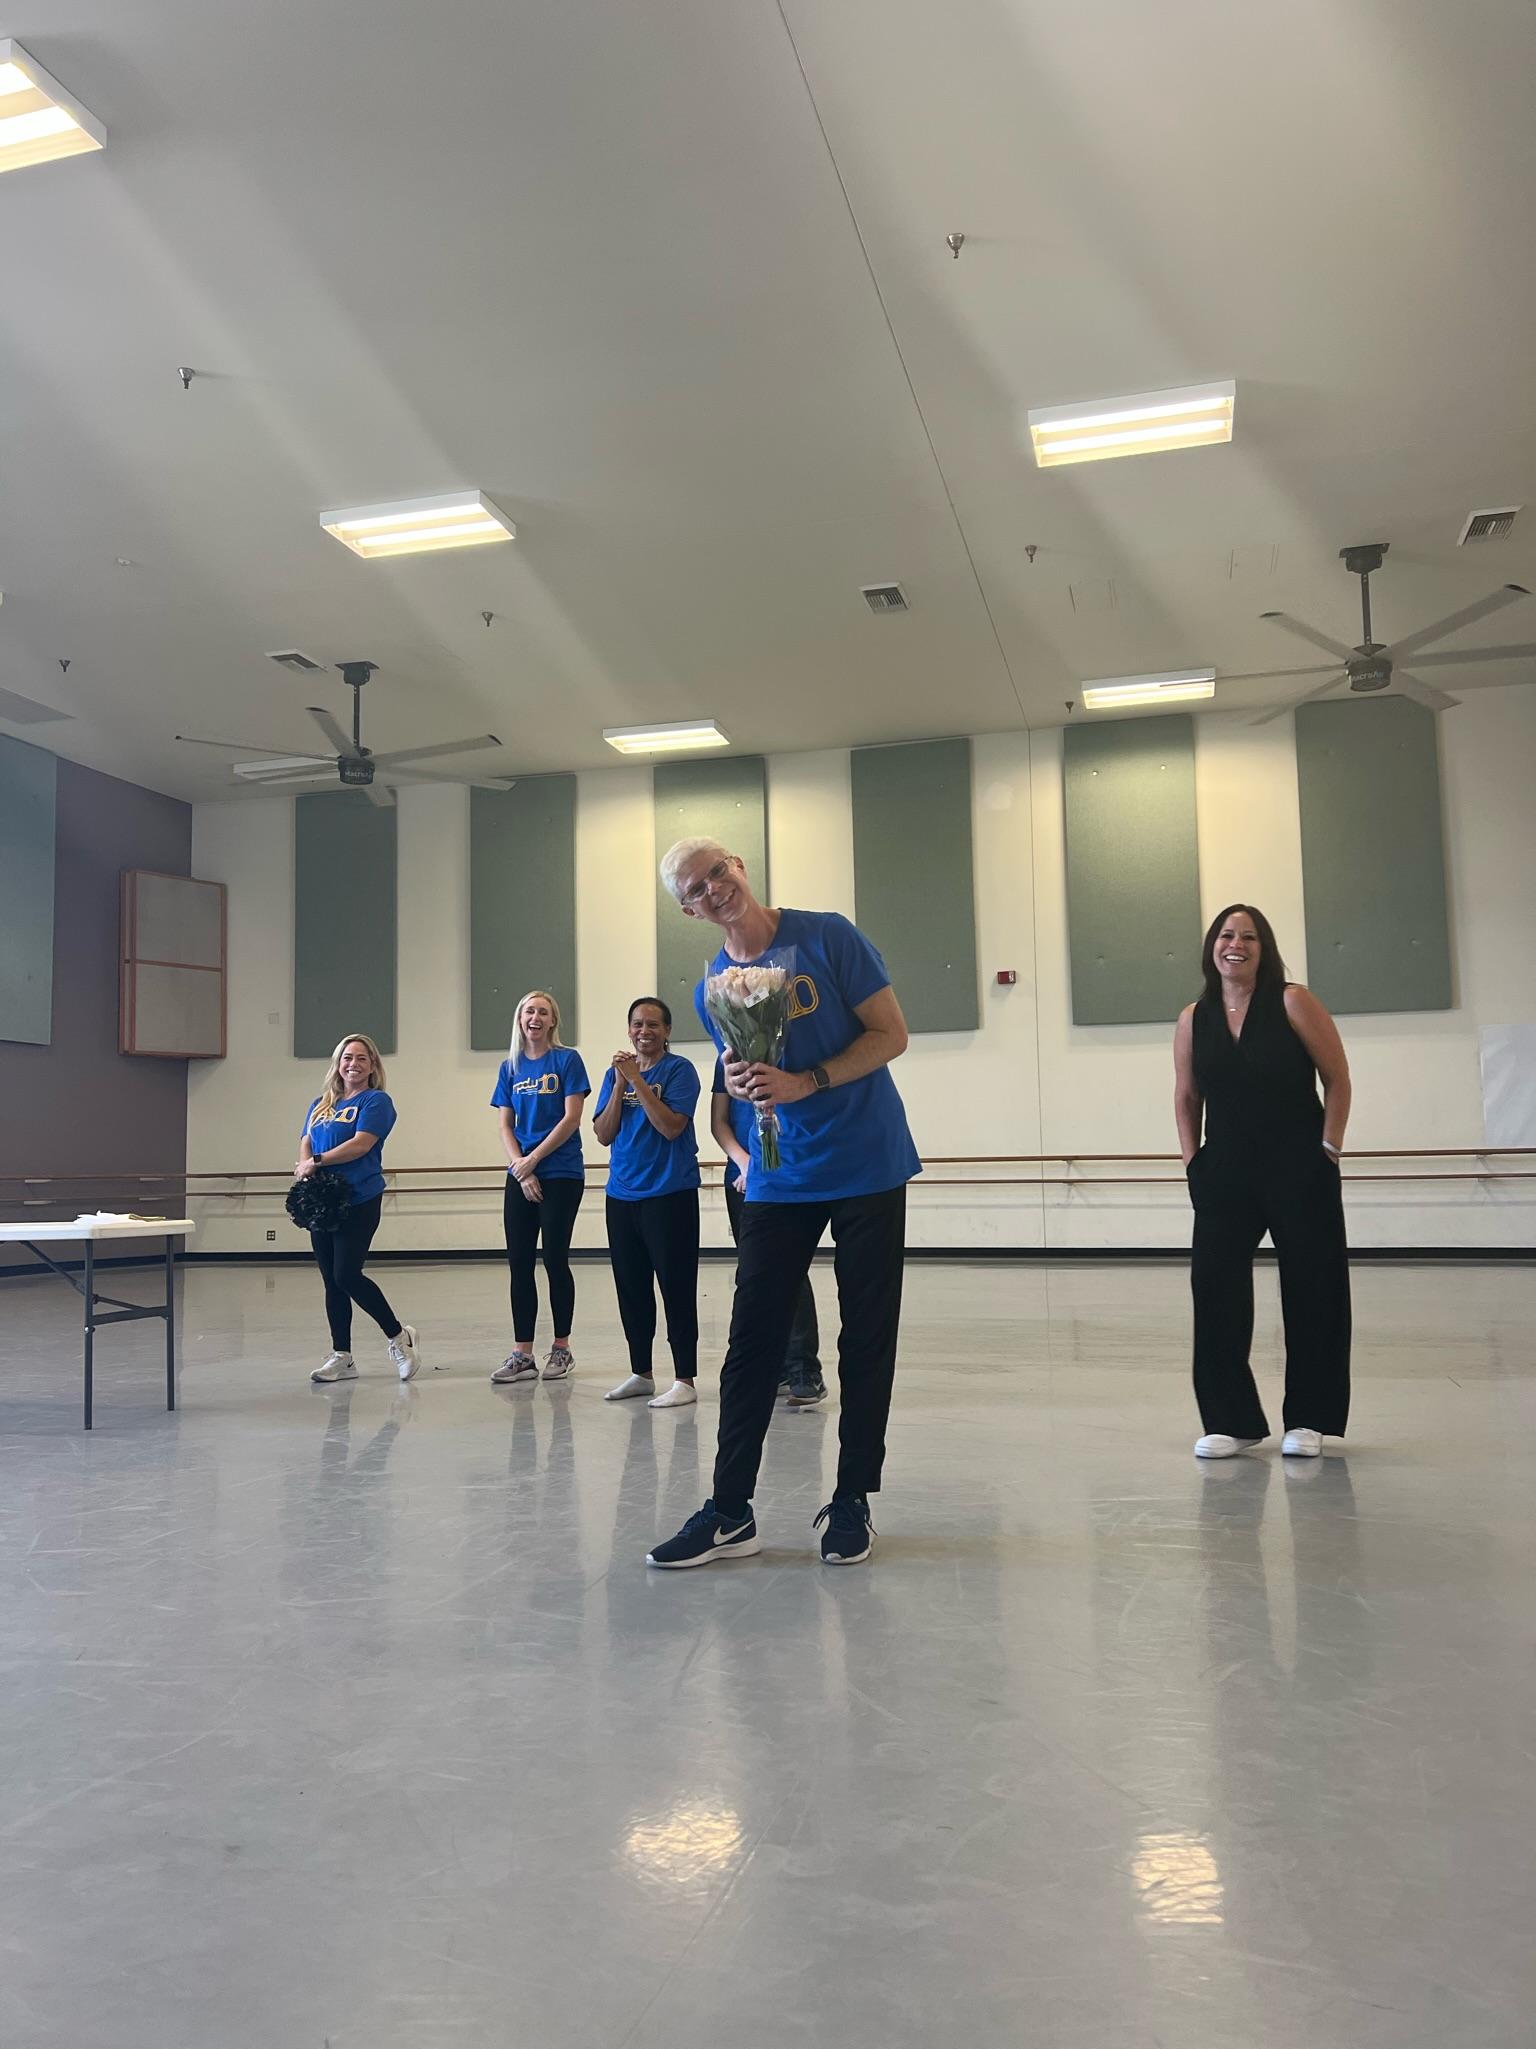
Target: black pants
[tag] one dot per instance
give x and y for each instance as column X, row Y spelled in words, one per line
column 802, row 1355
column 525, row 1223
column 776, row 1244
column 655, row 1243
column 339, row 1254
column 1299, row 1202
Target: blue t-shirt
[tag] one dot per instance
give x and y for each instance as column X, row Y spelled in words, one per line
column 642, row 1162
column 536, row 1097
column 843, row 1141
column 369, row 1110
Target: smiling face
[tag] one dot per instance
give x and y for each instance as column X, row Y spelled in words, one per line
column 647, row 1032
column 713, row 886
column 537, row 1018
column 355, row 1067
column 1238, row 950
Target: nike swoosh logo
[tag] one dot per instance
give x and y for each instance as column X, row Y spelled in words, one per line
column 727, row 1536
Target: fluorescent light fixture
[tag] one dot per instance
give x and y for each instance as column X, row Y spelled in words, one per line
column 38, row 119
column 691, row 734
column 419, row 526
column 1179, row 686
column 1194, row 416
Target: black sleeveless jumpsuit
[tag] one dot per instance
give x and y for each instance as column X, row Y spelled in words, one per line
column 1262, row 1168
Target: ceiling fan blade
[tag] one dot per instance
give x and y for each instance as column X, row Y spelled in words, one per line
column 1523, row 653
column 401, row 757
column 238, row 747
column 335, row 732
column 316, row 772
column 1305, row 632
column 1279, row 711
column 470, row 782
column 1275, row 675
column 1424, row 693
column 1467, row 616
column 379, row 795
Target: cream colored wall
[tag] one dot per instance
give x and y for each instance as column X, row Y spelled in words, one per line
column 1028, row 1080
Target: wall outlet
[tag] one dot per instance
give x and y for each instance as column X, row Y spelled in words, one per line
column 271, row 1237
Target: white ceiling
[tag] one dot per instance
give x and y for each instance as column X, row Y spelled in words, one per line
column 669, row 281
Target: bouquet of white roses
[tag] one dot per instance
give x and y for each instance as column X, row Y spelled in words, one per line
column 751, row 1007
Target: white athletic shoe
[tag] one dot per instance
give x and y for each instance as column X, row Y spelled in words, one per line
column 1302, row 1444
column 516, row 1366
column 560, row 1364
column 1217, row 1446
column 405, row 1351
column 680, row 1395
column 339, row 1366
column 627, row 1390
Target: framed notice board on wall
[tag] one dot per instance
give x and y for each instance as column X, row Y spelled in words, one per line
column 172, row 959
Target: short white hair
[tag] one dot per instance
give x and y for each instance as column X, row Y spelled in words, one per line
column 680, row 854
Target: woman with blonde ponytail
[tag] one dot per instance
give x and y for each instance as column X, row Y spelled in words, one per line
column 344, row 1132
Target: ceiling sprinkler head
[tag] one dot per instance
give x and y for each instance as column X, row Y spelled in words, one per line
column 186, row 375
column 1031, row 550
column 955, row 243
column 487, row 617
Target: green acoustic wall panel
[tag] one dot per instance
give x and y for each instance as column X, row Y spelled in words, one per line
column 1372, row 855
column 1133, row 872
column 914, row 877
column 28, row 795
column 522, row 904
column 728, row 801
column 344, row 933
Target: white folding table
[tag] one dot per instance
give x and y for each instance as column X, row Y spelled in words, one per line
column 89, row 1231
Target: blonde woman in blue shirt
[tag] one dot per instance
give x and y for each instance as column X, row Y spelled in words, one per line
column 541, row 1091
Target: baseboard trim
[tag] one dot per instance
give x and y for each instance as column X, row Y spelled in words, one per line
column 1004, row 1255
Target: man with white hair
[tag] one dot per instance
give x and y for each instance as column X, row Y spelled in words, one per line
column 846, row 1157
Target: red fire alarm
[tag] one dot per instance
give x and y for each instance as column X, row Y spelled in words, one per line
column 1007, row 977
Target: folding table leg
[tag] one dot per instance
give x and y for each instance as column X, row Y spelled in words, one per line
column 90, row 1322
column 170, row 1322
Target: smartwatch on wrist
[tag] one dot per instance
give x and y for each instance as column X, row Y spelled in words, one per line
column 820, row 1079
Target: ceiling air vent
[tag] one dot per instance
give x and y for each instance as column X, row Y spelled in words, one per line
column 26, row 711
column 1488, row 526
column 293, row 658
column 885, row 597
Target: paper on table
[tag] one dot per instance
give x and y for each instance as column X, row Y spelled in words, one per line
column 113, row 1216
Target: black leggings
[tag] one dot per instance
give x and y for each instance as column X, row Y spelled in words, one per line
column 339, row 1254
column 1298, row 1201
column 525, row 1223
column 655, row 1241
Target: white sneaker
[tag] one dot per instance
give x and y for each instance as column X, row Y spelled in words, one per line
column 405, row 1352
column 680, row 1395
column 560, row 1364
column 626, row 1391
column 1302, row 1444
column 1217, row 1446
column 338, row 1367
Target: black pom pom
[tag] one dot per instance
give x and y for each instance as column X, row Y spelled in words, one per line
column 319, row 1201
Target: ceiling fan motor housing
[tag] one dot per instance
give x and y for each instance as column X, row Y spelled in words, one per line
column 355, row 771
column 1369, row 671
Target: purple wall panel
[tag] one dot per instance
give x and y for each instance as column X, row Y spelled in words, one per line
column 79, row 1106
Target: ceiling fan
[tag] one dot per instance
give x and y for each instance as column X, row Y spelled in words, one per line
column 1373, row 666
column 356, row 765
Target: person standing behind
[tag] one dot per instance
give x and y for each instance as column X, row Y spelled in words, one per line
column 344, row 1131
column 541, row 1090
column 1247, row 1056
column 730, row 1124
column 645, row 1115
column 846, row 1157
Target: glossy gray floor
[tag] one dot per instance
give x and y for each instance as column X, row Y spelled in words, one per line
column 352, row 1717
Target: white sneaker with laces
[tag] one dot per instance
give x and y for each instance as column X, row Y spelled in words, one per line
column 405, row 1352
column 560, row 1364
column 1218, row 1446
column 1302, row 1444
column 627, row 1390
column 516, row 1366
column 339, row 1366
column 680, row 1395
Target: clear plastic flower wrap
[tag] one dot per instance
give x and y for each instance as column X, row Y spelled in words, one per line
column 751, row 1008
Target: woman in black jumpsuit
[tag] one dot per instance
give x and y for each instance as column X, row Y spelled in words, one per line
column 1248, row 1056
